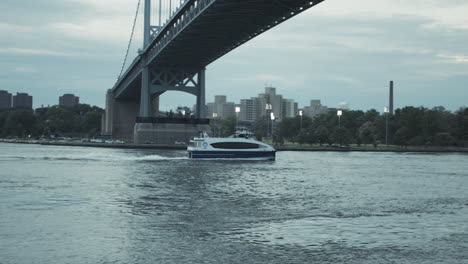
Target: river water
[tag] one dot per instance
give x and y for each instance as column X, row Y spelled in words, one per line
column 94, row 205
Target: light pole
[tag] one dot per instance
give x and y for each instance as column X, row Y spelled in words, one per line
column 300, row 115
column 268, row 107
column 215, row 121
column 339, row 113
column 386, row 111
column 238, row 109
column 272, row 116
column 183, row 113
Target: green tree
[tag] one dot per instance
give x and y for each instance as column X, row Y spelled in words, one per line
column 21, row 123
column 287, row 129
column 402, row 136
column 306, row 137
column 461, row 126
column 3, row 118
column 183, row 112
column 341, row 136
column 322, row 135
column 277, row 137
column 62, row 120
column 259, row 129
column 91, row 123
column 228, row 126
column 367, row 133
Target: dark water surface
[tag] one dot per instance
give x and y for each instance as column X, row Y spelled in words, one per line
column 91, row 205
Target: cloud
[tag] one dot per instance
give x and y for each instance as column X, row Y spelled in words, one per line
column 454, row 58
column 24, row 69
column 340, row 50
column 43, row 52
column 349, row 58
column 450, row 13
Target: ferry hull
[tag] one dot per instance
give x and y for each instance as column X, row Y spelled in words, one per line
column 254, row 155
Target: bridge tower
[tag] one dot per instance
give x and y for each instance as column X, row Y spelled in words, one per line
column 156, row 81
column 139, row 118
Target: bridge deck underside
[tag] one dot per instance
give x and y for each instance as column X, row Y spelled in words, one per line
column 220, row 28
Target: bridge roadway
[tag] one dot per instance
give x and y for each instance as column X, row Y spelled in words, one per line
column 203, row 31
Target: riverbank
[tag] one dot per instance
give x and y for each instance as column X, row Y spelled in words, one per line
column 287, row 147
column 94, row 145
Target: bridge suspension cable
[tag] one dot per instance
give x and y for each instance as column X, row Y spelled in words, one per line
column 130, row 41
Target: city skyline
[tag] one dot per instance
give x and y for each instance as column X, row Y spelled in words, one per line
column 70, row 99
column 337, row 51
column 8, row 100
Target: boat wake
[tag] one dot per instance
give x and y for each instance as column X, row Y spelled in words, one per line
column 105, row 157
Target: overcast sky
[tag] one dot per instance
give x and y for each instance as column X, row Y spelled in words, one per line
column 338, row 51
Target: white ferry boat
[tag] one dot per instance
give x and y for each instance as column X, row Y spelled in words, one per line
column 242, row 145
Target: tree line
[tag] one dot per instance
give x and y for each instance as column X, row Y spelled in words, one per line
column 77, row 121
column 409, row 126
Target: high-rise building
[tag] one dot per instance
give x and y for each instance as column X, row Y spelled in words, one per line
column 315, row 108
column 260, row 107
column 22, row 100
column 69, row 100
column 289, row 108
column 5, row 100
column 264, row 104
column 220, row 108
column 219, row 101
column 276, row 101
column 209, row 110
column 228, row 109
column 247, row 110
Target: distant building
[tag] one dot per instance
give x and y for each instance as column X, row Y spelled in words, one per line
column 5, row 99
column 219, row 101
column 290, row 108
column 220, row 108
column 69, row 100
column 275, row 100
column 257, row 108
column 247, row 110
column 209, row 110
column 315, row 108
column 252, row 109
column 228, row 109
column 22, row 100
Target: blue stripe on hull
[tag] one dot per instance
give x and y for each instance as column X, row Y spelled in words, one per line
column 268, row 155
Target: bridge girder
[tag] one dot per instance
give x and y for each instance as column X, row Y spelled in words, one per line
column 203, row 31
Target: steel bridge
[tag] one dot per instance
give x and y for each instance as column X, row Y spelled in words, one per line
column 196, row 33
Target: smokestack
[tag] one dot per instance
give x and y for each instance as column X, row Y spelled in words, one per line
column 390, row 103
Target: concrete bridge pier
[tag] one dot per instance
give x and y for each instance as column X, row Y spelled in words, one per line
column 120, row 117
column 148, row 128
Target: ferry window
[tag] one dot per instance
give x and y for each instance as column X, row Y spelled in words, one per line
column 235, row 145
column 192, row 144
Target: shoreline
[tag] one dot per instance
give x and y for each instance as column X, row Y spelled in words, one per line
column 278, row 148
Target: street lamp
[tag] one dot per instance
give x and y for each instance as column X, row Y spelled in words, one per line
column 183, row 113
column 300, row 114
column 272, row 116
column 339, row 114
column 268, row 107
column 386, row 111
column 238, row 109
